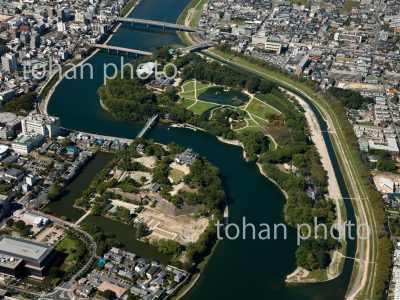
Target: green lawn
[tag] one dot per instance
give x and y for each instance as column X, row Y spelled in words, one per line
column 260, row 109
column 262, row 122
column 252, row 123
column 188, row 86
column 176, row 175
column 201, row 107
column 68, row 246
column 128, row 7
column 237, row 126
column 190, row 95
column 187, row 102
column 200, row 85
column 253, row 129
column 349, row 5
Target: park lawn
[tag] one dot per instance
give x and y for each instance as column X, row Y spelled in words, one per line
column 237, row 126
column 190, row 95
column 269, row 108
column 68, row 246
column 176, row 175
column 188, row 86
column 252, row 123
column 262, row 122
column 260, row 109
column 200, row 85
column 187, row 102
column 251, row 129
column 201, row 107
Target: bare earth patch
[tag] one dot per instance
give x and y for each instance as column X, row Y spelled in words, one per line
column 147, row 161
column 183, row 229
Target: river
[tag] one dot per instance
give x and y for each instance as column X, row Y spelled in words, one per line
column 238, row 269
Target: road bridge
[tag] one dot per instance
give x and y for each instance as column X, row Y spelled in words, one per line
column 121, row 49
column 158, row 24
column 150, row 123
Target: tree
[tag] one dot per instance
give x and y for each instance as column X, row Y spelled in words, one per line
column 20, row 105
column 10, row 222
column 300, row 160
column 169, row 247
column 20, row 225
column 386, row 164
column 395, row 99
column 311, row 258
column 123, row 214
column 66, row 142
column 267, row 86
column 350, row 99
column 141, row 231
column 252, row 85
column 54, row 192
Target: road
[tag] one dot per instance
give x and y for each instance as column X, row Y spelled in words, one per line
column 92, row 252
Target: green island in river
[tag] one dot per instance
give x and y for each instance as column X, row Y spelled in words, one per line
column 268, row 123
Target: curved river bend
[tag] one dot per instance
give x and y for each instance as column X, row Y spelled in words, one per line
column 239, row 269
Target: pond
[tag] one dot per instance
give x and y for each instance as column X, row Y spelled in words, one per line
column 221, row 96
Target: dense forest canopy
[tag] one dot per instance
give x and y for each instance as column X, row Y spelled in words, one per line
column 350, row 99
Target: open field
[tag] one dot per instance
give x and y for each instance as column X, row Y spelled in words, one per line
column 256, row 109
column 183, row 229
column 68, row 246
column 201, row 107
column 187, row 102
column 176, row 175
column 259, row 108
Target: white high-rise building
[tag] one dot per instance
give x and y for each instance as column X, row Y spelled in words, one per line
column 9, row 62
column 61, row 26
column 42, row 124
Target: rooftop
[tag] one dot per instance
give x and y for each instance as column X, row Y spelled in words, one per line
column 23, row 249
column 25, row 139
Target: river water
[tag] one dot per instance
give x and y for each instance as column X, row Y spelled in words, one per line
column 238, row 269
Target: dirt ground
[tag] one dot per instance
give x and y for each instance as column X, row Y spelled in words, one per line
column 136, row 175
column 183, row 229
column 147, row 161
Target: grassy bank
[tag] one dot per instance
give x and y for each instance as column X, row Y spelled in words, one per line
column 356, row 174
column 128, row 6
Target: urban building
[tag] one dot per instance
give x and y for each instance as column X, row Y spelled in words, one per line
column 9, row 62
column 42, row 124
column 24, row 144
column 19, row 257
column 6, row 96
column 273, row 47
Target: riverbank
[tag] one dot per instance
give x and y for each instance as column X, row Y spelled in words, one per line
column 44, row 103
column 249, row 193
column 336, row 265
column 349, row 162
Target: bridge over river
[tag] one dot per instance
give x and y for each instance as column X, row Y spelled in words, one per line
column 157, row 23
